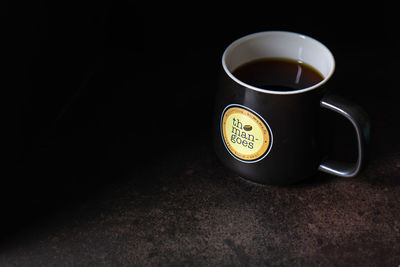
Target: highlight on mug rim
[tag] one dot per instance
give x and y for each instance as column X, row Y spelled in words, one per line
column 281, row 44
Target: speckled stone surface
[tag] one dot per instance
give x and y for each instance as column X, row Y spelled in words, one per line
column 197, row 213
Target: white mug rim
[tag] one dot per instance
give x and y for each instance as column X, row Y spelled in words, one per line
column 258, row 34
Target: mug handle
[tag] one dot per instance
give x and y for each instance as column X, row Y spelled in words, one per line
column 359, row 119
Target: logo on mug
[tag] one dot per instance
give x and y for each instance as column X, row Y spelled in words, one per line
column 246, row 135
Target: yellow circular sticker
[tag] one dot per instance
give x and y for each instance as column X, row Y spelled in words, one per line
column 246, row 134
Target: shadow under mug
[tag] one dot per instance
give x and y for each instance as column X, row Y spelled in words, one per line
column 274, row 137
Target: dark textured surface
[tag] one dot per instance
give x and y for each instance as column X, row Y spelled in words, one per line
column 198, row 213
column 111, row 161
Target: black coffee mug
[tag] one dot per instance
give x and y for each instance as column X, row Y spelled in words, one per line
column 275, row 137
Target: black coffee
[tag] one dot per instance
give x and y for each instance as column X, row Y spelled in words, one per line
column 278, row 74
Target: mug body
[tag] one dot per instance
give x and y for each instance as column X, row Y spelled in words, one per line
column 267, row 136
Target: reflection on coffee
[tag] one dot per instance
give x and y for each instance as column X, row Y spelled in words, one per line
column 278, row 74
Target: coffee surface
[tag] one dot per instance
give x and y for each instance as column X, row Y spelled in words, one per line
column 278, row 74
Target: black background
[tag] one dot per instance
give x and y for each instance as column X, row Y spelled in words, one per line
column 100, row 88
